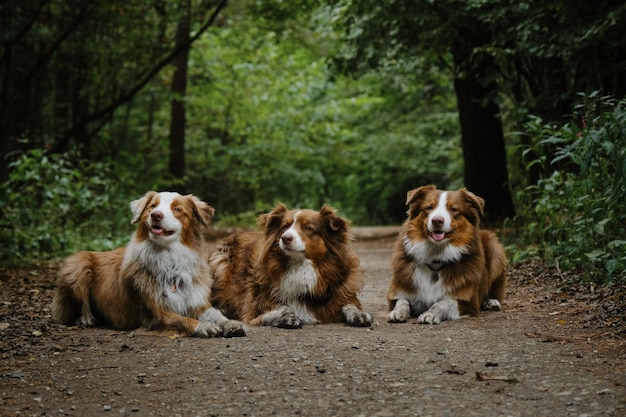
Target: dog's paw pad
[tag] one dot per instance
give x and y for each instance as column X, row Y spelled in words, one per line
column 233, row 328
column 207, row 329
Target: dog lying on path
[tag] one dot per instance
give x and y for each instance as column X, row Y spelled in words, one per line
column 299, row 270
column 159, row 281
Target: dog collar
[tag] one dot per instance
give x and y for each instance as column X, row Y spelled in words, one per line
column 435, row 271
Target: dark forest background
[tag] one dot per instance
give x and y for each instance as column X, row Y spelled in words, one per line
column 352, row 103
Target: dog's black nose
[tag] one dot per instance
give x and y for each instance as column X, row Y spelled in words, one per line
column 156, row 216
column 287, row 239
column 437, row 221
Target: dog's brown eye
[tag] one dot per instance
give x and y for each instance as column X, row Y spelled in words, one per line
column 428, row 207
column 177, row 209
column 309, row 228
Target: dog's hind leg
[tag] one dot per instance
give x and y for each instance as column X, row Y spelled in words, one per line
column 72, row 299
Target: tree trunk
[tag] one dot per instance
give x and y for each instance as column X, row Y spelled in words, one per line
column 179, row 89
column 482, row 137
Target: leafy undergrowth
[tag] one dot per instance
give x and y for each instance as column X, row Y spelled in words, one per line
column 592, row 311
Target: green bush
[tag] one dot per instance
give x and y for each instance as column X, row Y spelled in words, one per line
column 51, row 206
column 575, row 215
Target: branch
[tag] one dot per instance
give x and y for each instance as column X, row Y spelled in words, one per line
column 142, row 83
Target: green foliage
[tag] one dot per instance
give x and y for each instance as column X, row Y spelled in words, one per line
column 69, row 69
column 268, row 122
column 272, row 117
column 51, row 207
column 575, row 214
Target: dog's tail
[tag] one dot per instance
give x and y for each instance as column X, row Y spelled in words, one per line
column 71, row 303
column 221, row 260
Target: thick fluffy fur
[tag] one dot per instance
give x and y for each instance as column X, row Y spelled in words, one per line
column 299, row 270
column 160, row 281
column 444, row 266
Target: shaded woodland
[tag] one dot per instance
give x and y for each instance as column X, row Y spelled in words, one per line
column 350, row 103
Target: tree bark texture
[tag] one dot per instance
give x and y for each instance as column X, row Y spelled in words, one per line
column 482, row 137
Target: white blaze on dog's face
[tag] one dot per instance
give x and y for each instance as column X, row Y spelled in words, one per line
column 162, row 222
column 304, row 234
column 440, row 220
column 290, row 241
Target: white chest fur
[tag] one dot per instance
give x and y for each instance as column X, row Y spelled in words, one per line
column 427, row 291
column 297, row 282
column 173, row 269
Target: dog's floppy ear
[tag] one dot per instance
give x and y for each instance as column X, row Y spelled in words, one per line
column 272, row 219
column 202, row 210
column 335, row 223
column 475, row 204
column 414, row 197
column 138, row 206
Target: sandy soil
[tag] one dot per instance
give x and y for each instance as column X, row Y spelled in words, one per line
column 552, row 352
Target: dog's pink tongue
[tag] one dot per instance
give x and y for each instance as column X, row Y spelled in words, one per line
column 438, row 236
column 156, row 231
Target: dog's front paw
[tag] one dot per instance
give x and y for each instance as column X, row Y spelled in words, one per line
column 401, row 313
column 491, row 304
column 356, row 317
column 361, row 319
column 396, row 317
column 86, row 321
column 233, row 328
column 429, row 317
column 207, row 329
column 289, row 320
column 283, row 317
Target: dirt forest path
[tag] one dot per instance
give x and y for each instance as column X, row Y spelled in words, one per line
column 551, row 352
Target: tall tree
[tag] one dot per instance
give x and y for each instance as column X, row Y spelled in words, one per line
column 447, row 34
column 539, row 54
column 482, row 136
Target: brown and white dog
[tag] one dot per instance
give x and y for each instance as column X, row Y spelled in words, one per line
column 160, row 281
column 299, row 270
column 444, row 266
